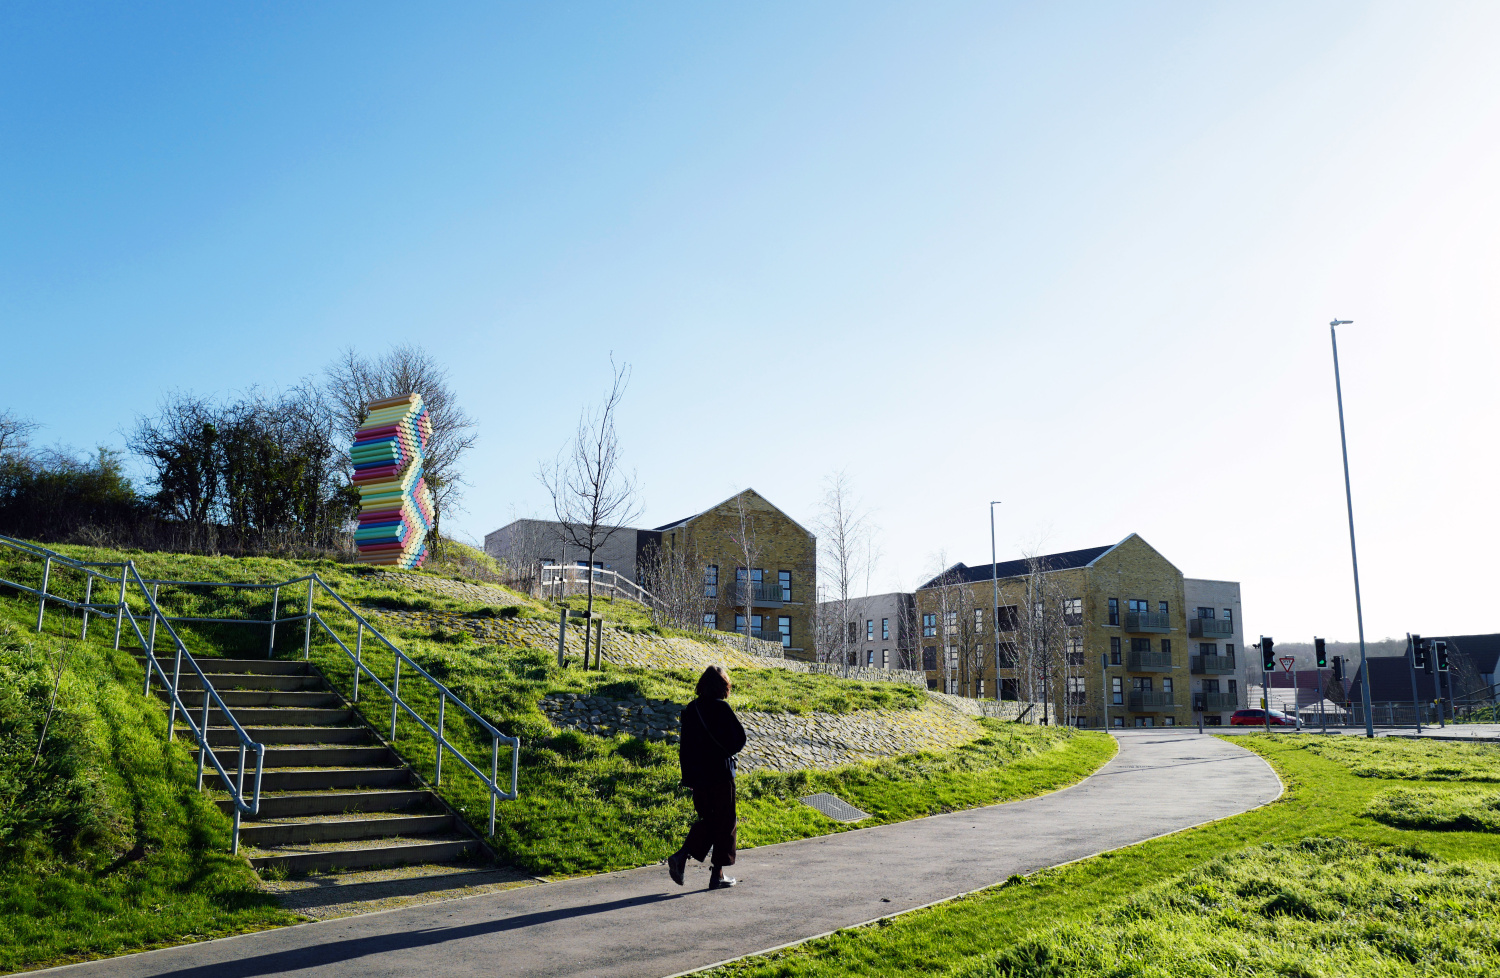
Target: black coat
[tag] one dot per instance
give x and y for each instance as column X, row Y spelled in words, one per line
column 711, row 734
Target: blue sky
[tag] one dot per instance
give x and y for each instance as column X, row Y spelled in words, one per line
column 1076, row 257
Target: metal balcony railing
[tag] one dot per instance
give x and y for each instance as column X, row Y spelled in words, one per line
column 1148, row 621
column 762, row 594
column 1215, row 702
column 1213, row 665
column 1149, row 662
column 1146, row 701
column 1210, row 628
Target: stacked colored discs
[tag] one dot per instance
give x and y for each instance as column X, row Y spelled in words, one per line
column 395, row 508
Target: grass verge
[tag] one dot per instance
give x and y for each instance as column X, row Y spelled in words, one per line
column 1044, row 924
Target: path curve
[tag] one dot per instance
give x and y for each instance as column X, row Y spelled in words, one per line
column 636, row 924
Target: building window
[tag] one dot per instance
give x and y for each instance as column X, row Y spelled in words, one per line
column 757, row 625
column 1140, row 645
column 785, row 578
column 1116, row 691
column 1117, row 721
column 853, row 631
column 885, row 658
column 1207, row 648
column 739, row 624
column 1166, row 646
column 1114, row 650
column 1207, row 613
column 929, row 658
column 1073, row 611
column 757, row 575
column 1161, row 606
column 1075, row 651
column 1141, row 684
column 1229, row 614
column 981, row 688
column 1010, row 689
column 1114, row 611
column 1145, row 721
column 950, row 622
column 1229, row 649
column 1007, row 655
column 1210, row 685
column 885, row 629
column 784, row 625
column 853, row 657
column 929, row 626
column 1009, row 618
column 710, row 620
column 1213, row 720
column 869, row 629
column 1166, row 684
column 978, row 621
column 711, row 581
column 1076, row 691
column 1233, row 689
column 1169, row 721
column 869, row 657
column 1138, row 606
column 953, row 657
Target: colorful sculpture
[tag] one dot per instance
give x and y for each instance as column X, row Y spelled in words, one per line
column 395, row 508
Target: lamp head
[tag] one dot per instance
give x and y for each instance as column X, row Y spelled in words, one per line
column 1342, row 322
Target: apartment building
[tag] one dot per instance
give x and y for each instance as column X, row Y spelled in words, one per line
column 876, row 630
column 1216, row 640
column 775, row 598
column 522, row 545
column 1103, row 633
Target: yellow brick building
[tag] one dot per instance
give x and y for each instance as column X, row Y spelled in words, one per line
column 1100, row 632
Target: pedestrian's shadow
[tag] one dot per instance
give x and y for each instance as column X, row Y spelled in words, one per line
column 333, row 952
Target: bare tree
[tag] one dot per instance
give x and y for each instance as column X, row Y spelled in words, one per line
column 846, row 557
column 1048, row 628
column 592, row 496
column 743, row 535
column 354, row 380
column 674, row 576
column 15, row 435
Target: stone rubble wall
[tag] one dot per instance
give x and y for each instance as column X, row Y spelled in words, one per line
column 779, row 741
column 1003, row 710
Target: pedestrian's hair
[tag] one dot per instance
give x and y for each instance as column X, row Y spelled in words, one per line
column 714, row 683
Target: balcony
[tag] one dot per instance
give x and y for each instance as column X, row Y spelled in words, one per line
column 1212, row 665
column 1148, row 621
column 1210, row 628
column 768, row 635
column 1146, row 701
column 1215, row 702
column 763, row 594
column 1149, row 662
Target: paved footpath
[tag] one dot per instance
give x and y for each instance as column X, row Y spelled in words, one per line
column 637, row 923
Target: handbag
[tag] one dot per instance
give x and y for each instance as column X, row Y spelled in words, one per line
column 729, row 760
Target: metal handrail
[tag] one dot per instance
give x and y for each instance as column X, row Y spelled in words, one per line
column 121, row 608
column 309, row 616
column 551, row 573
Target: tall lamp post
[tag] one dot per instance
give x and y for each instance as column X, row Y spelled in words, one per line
column 1359, row 615
column 995, row 588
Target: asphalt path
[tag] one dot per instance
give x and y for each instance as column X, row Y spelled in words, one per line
column 638, row 924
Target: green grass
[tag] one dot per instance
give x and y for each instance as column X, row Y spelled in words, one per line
column 106, row 846
column 1437, row 809
column 1407, row 759
column 1044, row 924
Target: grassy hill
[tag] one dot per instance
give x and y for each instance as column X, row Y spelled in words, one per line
column 106, row 846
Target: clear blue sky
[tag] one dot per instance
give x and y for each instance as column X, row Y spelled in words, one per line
column 1077, row 257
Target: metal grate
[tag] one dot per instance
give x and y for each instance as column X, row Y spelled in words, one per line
column 835, row 807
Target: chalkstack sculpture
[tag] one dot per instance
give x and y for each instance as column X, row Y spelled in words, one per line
column 395, row 507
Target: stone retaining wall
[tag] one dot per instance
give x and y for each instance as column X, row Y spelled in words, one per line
column 779, row 741
column 1003, row 710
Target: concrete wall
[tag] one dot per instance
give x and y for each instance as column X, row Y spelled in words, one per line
column 1221, row 595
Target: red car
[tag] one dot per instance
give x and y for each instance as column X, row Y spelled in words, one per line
column 1257, row 718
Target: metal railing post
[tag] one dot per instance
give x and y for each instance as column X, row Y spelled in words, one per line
column 275, row 604
column 359, row 649
column 395, row 698
column 151, row 642
column 88, row 596
column 307, row 632
column 120, row 608
column 494, row 773
column 41, row 602
column 442, row 705
column 203, row 741
column 172, row 709
column 562, row 635
column 239, row 793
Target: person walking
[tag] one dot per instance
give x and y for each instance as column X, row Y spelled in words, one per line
column 711, row 737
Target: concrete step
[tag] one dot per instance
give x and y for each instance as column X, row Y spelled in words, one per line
column 261, row 667
column 297, row 805
column 313, row 756
column 321, row 736
column 395, row 852
column 324, row 779
column 236, row 698
column 262, row 835
column 271, row 716
column 237, row 681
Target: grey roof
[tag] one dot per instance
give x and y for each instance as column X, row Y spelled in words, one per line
column 688, row 519
column 1068, row 560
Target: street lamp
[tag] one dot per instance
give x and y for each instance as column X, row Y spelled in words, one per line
column 1359, row 615
column 995, row 588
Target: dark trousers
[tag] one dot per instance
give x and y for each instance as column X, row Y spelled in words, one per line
column 716, row 825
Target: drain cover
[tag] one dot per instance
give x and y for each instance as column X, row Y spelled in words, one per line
column 835, row 807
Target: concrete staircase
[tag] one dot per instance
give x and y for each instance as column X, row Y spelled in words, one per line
column 333, row 796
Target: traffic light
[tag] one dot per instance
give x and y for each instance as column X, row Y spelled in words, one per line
column 1267, row 656
column 1440, row 653
column 1321, row 653
column 1338, row 668
column 1419, row 659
